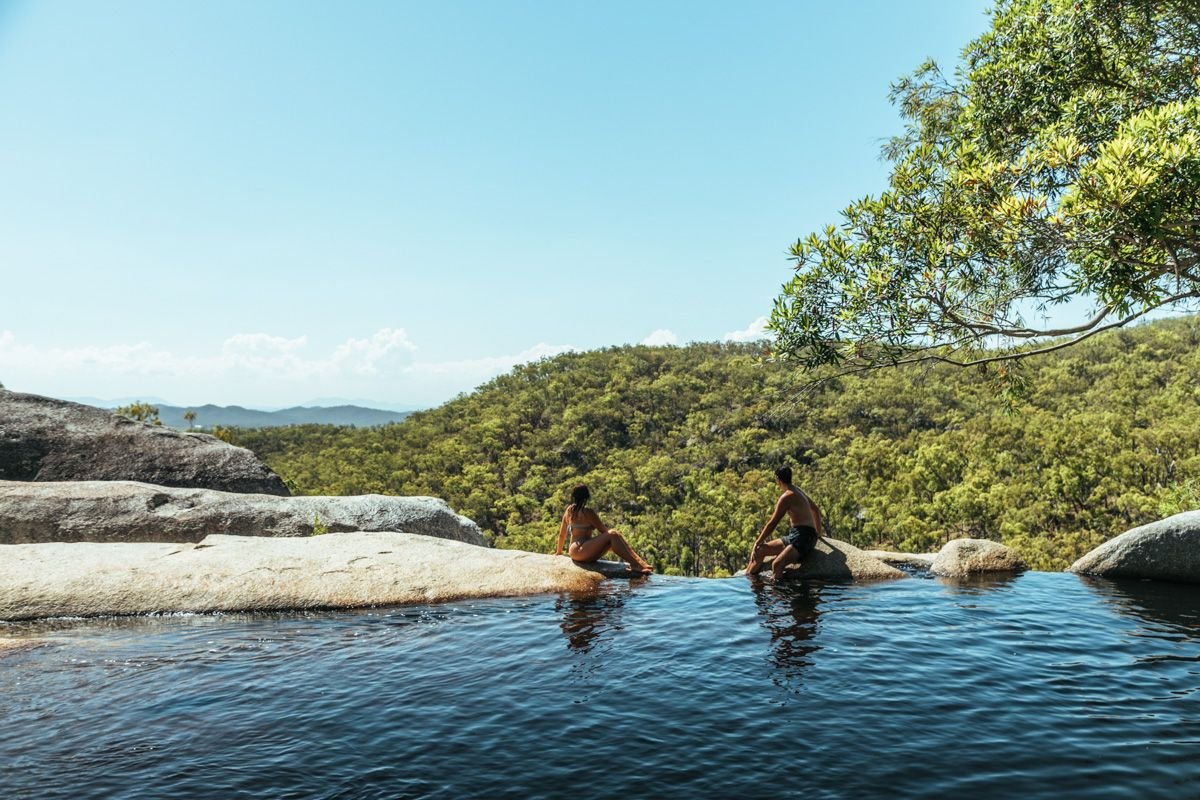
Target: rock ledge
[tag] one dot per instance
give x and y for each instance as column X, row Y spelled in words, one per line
column 126, row 511
column 239, row 573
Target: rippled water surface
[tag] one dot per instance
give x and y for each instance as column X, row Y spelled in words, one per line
column 1046, row 685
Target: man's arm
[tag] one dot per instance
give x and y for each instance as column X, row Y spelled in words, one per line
column 773, row 522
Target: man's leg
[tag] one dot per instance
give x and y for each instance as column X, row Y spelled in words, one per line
column 790, row 555
column 771, row 548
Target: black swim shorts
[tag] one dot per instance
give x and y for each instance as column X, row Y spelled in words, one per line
column 802, row 537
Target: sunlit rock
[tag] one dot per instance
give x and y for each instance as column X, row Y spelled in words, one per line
column 835, row 560
column 1166, row 550
column 125, row 511
column 911, row 560
column 963, row 557
column 240, row 573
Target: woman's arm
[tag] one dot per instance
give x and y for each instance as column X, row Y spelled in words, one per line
column 597, row 524
column 562, row 534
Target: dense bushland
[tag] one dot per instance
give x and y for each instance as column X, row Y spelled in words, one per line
column 678, row 444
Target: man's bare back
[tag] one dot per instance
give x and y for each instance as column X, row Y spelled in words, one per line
column 806, row 528
column 800, row 508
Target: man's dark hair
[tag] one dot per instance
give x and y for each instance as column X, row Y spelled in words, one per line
column 784, row 474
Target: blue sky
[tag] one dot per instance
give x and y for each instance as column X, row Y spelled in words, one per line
column 270, row 203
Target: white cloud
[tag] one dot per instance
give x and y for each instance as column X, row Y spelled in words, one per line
column 752, row 333
column 254, row 352
column 661, row 337
column 14, row 353
column 254, row 368
column 388, row 347
column 262, row 343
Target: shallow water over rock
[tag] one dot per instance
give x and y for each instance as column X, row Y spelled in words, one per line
column 1042, row 685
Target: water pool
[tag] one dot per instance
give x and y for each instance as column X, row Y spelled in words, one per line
column 1045, row 685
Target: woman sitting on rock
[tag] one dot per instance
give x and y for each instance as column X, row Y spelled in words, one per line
column 590, row 539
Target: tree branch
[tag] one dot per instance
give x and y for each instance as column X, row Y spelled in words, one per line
column 1017, row 354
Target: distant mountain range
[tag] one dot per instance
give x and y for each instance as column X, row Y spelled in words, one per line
column 236, row 416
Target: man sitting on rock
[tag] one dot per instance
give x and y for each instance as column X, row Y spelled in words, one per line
column 800, row 539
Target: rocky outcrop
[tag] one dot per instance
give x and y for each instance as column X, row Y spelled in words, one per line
column 43, row 439
column 836, row 560
column 910, row 560
column 1166, row 550
column 236, row 573
column 125, row 511
column 963, row 557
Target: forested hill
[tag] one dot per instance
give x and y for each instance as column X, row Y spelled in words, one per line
column 677, row 445
column 210, row 415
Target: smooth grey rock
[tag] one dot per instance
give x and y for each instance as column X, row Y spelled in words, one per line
column 126, row 511
column 239, row 573
column 916, row 560
column 1166, row 550
column 610, row 569
column 44, row 439
column 963, row 557
column 833, row 559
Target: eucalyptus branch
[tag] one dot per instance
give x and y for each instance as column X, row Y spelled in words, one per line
column 1019, row 354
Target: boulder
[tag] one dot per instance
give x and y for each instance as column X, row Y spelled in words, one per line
column 255, row 573
column 43, row 439
column 962, row 557
column 1166, row 550
column 125, row 511
column 833, row 559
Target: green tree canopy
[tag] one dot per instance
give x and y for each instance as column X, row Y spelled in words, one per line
column 141, row 412
column 678, row 445
column 1062, row 160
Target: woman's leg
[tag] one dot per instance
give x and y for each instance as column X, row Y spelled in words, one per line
column 624, row 551
column 601, row 543
column 772, row 548
column 590, row 549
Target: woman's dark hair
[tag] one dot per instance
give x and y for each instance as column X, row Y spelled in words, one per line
column 579, row 497
column 784, row 474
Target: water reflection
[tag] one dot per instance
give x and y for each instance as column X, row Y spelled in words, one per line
column 590, row 619
column 789, row 612
column 1171, row 606
column 978, row 583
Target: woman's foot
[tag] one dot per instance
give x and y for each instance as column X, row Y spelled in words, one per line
column 641, row 567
